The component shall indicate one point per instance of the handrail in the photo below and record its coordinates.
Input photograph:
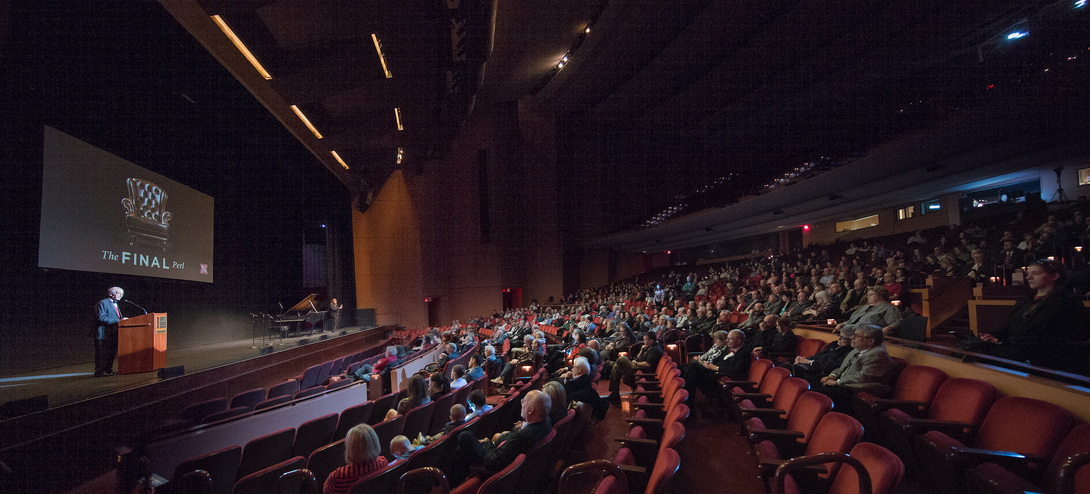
(398, 317)
(973, 357)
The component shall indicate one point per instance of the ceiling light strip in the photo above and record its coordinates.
(397, 115)
(241, 47)
(339, 160)
(299, 113)
(381, 57)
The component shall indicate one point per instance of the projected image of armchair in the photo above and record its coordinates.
(146, 217)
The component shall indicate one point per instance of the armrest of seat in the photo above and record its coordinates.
(618, 472)
(645, 423)
(768, 468)
(762, 397)
(637, 442)
(1015, 462)
(741, 384)
(956, 430)
(883, 404)
(774, 434)
(762, 412)
(656, 406)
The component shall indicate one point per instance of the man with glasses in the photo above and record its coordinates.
(865, 368)
(820, 364)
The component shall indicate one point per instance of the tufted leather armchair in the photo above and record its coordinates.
(146, 217)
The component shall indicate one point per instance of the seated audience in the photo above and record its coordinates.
(401, 448)
(727, 355)
(623, 368)
(878, 312)
(865, 368)
(825, 361)
(459, 374)
(784, 341)
(477, 404)
(1048, 329)
(501, 450)
(363, 455)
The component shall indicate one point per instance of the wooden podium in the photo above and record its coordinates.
(142, 343)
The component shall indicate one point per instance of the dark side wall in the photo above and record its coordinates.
(140, 87)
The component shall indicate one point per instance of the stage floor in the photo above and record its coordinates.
(74, 383)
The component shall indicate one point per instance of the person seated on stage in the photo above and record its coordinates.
(784, 341)
(401, 448)
(727, 355)
(497, 453)
(866, 368)
(475, 370)
(878, 312)
(363, 455)
(459, 375)
(477, 404)
(1048, 329)
(623, 368)
(825, 361)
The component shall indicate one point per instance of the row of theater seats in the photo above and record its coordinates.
(422, 472)
(317, 443)
(311, 383)
(954, 434)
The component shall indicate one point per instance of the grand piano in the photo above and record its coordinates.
(303, 316)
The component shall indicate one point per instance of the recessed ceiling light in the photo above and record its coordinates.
(306, 121)
(241, 47)
(339, 160)
(381, 57)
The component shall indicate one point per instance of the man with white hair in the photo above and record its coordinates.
(108, 315)
(497, 453)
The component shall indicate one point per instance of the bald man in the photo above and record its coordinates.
(498, 453)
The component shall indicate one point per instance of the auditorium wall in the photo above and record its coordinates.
(479, 220)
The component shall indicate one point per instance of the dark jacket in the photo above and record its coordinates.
(517, 442)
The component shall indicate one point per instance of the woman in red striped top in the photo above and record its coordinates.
(363, 454)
